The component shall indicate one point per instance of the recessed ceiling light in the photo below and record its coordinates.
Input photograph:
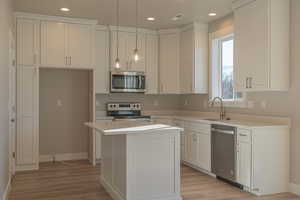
(212, 14)
(150, 18)
(177, 17)
(65, 9)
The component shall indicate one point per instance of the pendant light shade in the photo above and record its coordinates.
(117, 61)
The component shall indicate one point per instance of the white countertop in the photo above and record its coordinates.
(130, 127)
(236, 123)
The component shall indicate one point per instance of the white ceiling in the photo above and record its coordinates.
(105, 10)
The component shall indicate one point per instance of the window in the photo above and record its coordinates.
(222, 70)
(226, 68)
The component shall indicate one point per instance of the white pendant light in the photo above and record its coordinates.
(117, 61)
(136, 51)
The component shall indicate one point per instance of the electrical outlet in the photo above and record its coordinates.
(205, 104)
(59, 103)
(250, 104)
(97, 103)
(186, 102)
(156, 103)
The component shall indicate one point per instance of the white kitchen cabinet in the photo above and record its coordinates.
(244, 157)
(151, 64)
(262, 52)
(80, 45)
(28, 37)
(261, 153)
(204, 151)
(194, 59)
(27, 140)
(65, 45)
(169, 53)
(102, 61)
(53, 44)
(127, 44)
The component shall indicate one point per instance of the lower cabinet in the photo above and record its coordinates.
(195, 144)
(27, 140)
(262, 160)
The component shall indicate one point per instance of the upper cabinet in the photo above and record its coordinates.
(28, 34)
(127, 44)
(262, 51)
(102, 60)
(169, 61)
(152, 64)
(194, 59)
(66, 45)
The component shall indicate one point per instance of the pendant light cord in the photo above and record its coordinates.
(118, 28)
(136, 24)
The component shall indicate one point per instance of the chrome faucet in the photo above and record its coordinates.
(222, 109)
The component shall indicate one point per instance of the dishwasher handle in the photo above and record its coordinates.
(223, 131)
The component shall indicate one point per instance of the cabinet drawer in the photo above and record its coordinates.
(244, 135)
(197, 127)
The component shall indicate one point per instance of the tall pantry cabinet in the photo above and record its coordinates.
(50, 42)
(27, 136)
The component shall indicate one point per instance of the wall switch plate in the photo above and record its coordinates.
(263, 104)
(97, 103)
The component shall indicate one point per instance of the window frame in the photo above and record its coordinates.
(215, 43)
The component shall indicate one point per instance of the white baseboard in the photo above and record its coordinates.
(7, 189)
(294, 188)
(64, 157)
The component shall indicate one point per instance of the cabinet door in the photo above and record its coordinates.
(53, 44)
(131, 45)
(244, 164)
(80, 46)
(251, 46)
(204, 151)
(28, 36)
(124, 64)
(186, 61)
(169, 63)
(152, 64)
(27, 117)
(102, 62)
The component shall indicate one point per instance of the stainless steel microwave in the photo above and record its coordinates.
(134, 82)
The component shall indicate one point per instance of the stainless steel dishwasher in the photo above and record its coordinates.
(224, 152)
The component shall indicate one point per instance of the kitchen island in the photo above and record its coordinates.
(140, 160)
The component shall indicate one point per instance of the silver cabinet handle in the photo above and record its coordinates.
(243, 135)
(250, 79)
(70, 60)
(247, 82)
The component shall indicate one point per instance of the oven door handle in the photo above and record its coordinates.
(140, 82)
(223, 131)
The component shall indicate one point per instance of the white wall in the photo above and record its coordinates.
(5, 25)
(277, 103)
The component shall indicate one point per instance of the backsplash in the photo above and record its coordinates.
(150, 102)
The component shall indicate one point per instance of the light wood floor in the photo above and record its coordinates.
(79, 181)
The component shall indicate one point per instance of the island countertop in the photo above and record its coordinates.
(130, 127)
